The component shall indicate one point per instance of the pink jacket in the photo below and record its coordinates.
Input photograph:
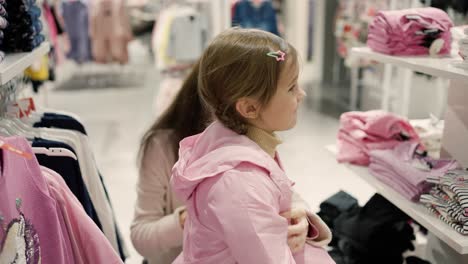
(234, 193)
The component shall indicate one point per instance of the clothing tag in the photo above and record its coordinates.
(436, 46)
(8, 147)
(430, 31)
(27, 106)
(413, 17)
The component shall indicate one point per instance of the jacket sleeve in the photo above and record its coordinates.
(319, 233)
(249, 218)
(152, 231)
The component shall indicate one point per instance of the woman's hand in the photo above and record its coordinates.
(182, 217)
(297, 229)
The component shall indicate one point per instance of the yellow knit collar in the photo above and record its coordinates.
(267, 141)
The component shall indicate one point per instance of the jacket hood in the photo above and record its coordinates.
(209, 154)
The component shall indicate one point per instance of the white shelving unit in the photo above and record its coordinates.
(14, 64)
(435, 66)
(416, 211)
(439, 66)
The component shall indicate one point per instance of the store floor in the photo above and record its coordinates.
(116, 118)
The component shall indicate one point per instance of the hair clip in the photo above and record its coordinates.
(278, 55)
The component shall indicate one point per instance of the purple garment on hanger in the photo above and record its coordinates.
(29, 212)
(75, 15)
(410, 31)
(406, 171)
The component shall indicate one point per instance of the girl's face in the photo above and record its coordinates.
(281, 112)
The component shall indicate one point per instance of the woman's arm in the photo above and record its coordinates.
(154, 229)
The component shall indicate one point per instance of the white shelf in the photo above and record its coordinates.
(15, 63)
(435, 66)
(416, 211)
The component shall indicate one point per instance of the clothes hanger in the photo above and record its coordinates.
(55, 152)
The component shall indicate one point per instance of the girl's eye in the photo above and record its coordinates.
(292, 88)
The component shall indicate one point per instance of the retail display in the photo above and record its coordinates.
(418, 31)
(73, 193)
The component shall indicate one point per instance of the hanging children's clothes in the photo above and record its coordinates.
(88, 243)
(80, 172)
(35, 231)
(245, 227)
(110, 31)
(247, 15)
(75, 16)
(177, 26)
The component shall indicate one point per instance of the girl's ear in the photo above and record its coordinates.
(248, 108)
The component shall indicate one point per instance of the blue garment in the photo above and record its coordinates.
(246, 15)
(52, 120)
(75, 15)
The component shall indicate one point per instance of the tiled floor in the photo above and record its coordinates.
(116, 118)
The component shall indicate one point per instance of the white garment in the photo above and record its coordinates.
(430, 131)
(188, 36)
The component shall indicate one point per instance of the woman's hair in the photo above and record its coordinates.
(236, 65)
(186, 116)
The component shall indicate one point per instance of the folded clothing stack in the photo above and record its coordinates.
(361, 132)
(23, 32)
(418, 31)
(406, 168)
(448, 199)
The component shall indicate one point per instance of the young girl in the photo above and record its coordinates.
(156, 231)
(230, 176)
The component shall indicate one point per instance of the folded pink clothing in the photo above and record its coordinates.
(391, 31)
(404, 162)
(394, 181)
(361, 132)
(356, 150)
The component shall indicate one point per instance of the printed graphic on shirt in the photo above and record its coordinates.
(20, 243)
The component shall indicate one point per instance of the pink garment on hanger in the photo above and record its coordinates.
(88, 242)
(51, 24)
(109, 31)
(396, 32)
(25, 199)
(361, 132)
